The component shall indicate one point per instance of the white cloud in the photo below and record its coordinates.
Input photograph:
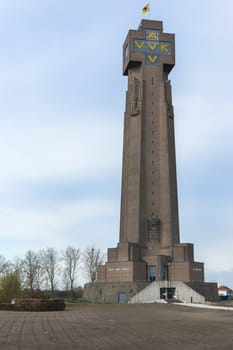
(219, 255)
(73, 223)
(204, 128)
(55, 149)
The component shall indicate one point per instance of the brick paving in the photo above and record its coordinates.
(86, 327)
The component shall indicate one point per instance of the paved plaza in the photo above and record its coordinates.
(124, 327)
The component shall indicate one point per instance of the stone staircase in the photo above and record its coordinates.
(158, 290)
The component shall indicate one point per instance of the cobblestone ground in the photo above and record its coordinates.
(121, 327)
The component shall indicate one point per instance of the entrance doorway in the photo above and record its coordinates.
(167, 293)
(121, 298)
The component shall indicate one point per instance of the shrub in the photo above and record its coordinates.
(10, 287)
(40, 304)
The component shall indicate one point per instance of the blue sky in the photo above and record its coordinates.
(62, 98)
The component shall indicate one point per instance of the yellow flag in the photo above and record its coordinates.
(146, 9)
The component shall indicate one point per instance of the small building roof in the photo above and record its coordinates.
(225, 288)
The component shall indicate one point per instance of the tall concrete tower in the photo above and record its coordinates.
(149, 247)
(149, 207)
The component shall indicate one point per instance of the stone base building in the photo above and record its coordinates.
(144, 292)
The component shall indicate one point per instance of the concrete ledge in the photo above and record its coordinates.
(206, 306)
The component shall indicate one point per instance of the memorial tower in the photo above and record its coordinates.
(149, 247)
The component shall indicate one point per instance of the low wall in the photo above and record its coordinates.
(109, 292)
(35, 305)
(207, 289)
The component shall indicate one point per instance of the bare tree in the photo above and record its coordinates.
(92, 257)
(65, 280)
(5, 265)
(49, 263)
(18, 269)
(31, 268)
(71, 258)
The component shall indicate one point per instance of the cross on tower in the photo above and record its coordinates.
(149, 45)
(152, 47)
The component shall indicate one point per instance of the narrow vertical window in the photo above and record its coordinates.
(126, 52)
(151, 273)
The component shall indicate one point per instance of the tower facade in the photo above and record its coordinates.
(149, 247)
